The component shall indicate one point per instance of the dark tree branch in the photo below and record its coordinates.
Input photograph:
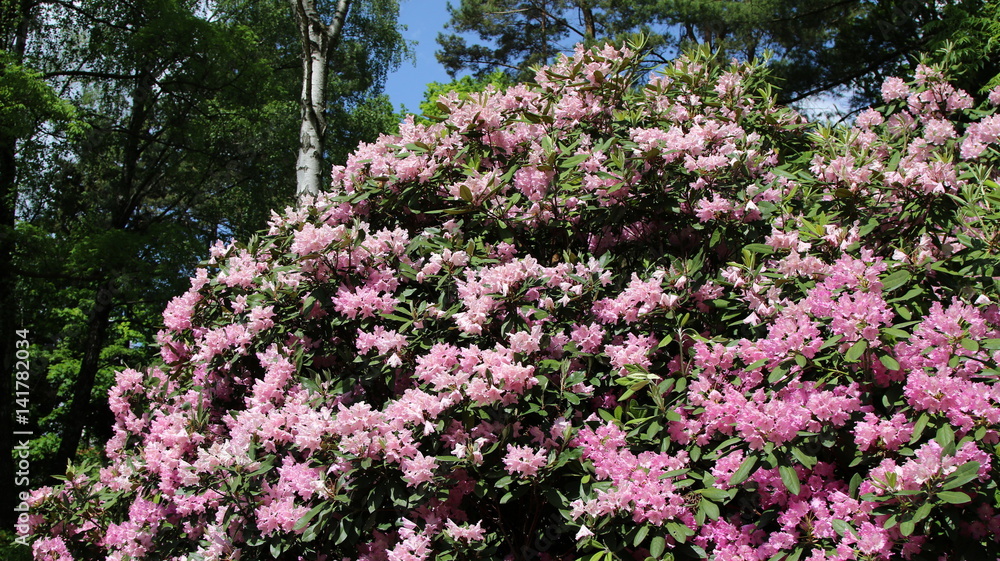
(870, 67)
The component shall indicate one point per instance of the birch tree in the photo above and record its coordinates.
(317, 39)
(348, 46)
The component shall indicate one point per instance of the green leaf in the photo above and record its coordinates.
(945, 437)
(896, 333)
(744, 471)
(777, 374)
(304, 521)
(954, 497)
(840, 526)
(964, 474)
(264, 467)
(760, 248)
(856, 480)
(679, 532)
(831, 342)
(895, 280)
(574, 161)
(713, 493)
(806, 460)
(465, 193)
(889, 362)
(856, 350)
(710, 509)
(657, 546)
(640, 535)
(919, 426)
(907, 527)
(922, 512)
(790, 478)
(969, 344)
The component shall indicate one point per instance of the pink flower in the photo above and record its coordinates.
(709, 210)
(873, 540)
(279, 514)
(995, 96)
(385, 341)
(526, 342)
(888, 434)
(178, 314)
(588, 337)
(524, 461)
(869, 118)
(894, 88)
(51, 549)
(467, 533)
(937, 131)
(633, 351)
(418, 469)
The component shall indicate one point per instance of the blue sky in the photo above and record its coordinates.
(424, 20)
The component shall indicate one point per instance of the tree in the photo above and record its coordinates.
(355, 48)
(587, 318)
(517, 35)
(184, 120)
(815, 46)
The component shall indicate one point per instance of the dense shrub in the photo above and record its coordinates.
(586, 319)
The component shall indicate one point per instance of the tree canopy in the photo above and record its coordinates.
(817, 46)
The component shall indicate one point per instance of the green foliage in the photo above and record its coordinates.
(364, 121)
(10, 550)
(429, 108)
(371, 47)
(968, 40)
(27, 100)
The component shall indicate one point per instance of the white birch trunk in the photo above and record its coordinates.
(318, 40)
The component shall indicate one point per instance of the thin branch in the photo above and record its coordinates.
(858, 74)
(88, 74)
(74, 8)
(798, 16)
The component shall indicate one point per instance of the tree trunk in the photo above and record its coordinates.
(97, 329)
(125, 203)
(318, 40)
(590, 29)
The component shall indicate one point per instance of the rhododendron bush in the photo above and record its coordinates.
(605, 316)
